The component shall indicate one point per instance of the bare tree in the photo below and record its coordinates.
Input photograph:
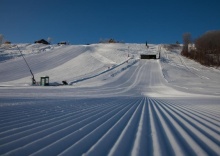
(186, 41)
(208, 48)
(1, 39)
(49, 39)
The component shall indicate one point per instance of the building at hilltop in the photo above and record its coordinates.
(42, 41)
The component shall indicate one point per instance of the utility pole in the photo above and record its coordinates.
(33, 80)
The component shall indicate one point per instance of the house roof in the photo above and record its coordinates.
(43, 41)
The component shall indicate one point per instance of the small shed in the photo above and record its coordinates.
(44, 81)
(62, 43)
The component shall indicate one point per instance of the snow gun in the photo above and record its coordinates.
(33, 79)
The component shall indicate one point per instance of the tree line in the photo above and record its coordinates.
(205, 49)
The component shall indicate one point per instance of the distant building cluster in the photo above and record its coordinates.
(43, 41)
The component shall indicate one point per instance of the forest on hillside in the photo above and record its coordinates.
(205, 49)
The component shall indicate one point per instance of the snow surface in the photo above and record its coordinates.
(115, 103)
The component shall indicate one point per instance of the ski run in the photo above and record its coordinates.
(114, 104)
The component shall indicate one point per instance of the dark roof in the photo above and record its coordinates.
(43, 41)
(7, 42)
(63, 42)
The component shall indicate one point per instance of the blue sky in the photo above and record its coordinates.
(88, 21)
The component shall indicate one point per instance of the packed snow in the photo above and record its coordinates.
(114, 104)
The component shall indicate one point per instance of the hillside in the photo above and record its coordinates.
(114, 103)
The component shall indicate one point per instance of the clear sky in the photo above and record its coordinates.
(88, 21)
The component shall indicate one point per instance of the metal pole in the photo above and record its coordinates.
(33, 80)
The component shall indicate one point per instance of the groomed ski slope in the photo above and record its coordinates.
(116, 104)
